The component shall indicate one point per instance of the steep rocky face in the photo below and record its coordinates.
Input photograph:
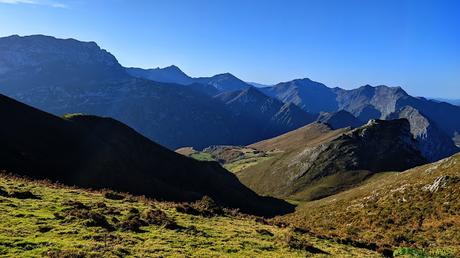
(263, 117)
(335, 164)
(369, 102)
(433, 143)
(96, 152)
(339, 119)
(42, 61)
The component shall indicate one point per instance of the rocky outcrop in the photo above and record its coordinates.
(439, 183)
(432, 142)
(378, 146)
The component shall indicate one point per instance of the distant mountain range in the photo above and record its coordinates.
(69, 76)
(450, 101)
(176, 110)
(365, 102)
(96, 152)
(263, 116)
(172, 74)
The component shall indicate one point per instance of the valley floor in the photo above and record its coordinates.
(38, 219)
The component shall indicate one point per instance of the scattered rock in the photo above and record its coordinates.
(439, 182)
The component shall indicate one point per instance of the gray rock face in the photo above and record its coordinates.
(432, 142)
(38, 61)
(369, 102)
(439, 183)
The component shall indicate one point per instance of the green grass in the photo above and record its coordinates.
(71, 115)
(245, 162)
(65, 221)
(233, 158)
(203, 156)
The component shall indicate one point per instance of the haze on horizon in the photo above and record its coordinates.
(412, 44)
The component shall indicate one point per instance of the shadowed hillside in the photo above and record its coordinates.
(98, 152)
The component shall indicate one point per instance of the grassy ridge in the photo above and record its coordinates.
(42, 219)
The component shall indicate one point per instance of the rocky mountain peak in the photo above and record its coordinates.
(433, 143)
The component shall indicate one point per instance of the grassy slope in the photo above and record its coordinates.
(393, 210)
(289, 146)
(52, 225)
(309, 135)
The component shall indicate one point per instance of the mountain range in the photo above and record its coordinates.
(69, 76)
(63, 76)
(333, 166)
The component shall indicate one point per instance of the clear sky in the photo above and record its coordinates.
(345, 43)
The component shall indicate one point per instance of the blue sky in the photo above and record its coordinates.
(413, 44)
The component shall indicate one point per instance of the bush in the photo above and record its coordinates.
(159, 218)
(24, 195)
(113, 196)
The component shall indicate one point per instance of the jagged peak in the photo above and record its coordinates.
(396, 89)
